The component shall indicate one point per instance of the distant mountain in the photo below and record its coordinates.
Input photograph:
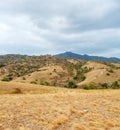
(71, 55)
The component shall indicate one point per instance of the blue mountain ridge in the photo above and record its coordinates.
(71, 55)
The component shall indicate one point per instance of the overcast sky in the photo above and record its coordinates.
(37, 27)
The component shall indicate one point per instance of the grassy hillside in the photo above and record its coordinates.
(52, 71)
(30, 98)
(58, 108)
(25, 88)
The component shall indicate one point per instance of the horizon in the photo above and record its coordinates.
(57, 54)
(34, 27)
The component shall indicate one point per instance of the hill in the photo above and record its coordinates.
(30, 98)
(87, 57)
(54, 71)
(49, 108)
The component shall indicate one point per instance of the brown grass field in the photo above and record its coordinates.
(50, 108)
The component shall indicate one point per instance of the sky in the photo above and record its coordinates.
(36, 27)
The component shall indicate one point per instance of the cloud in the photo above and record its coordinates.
(41, 27)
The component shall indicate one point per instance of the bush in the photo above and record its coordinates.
(79, 77)
(104, 85)
(110, 70)
(91, 86)
(82, 77)
(115, 85)
(71, 84)
(53, 83)
(2, 65)
(75, 78)
(7, 79)
(44, 83)
(16, 91)
(107, 74)
(33, 82)
(24, 78)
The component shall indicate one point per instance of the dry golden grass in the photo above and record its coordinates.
(99, 73)
(26, 88)
(56, 72)
(59, 109)
(49, 74)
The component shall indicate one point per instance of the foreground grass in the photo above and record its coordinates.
(60, 109)
(26, 88)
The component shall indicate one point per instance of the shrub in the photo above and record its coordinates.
(53, 83)
(33, 82)
(91, 86)
(82, 77)
(107, 74)
(75, 78)
(115, 85)
(7, 79)
(86, 69)
(16, 91)
(104, 85)
(79, 77)
(2, 65)
(110, 70)
(71, 84)
(24, 78)
(44, 83)
(54, 70)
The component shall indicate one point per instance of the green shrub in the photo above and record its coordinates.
(79, 77)
(2, 65)
(82, 77)
(44, 83)
(86, 69)
(110, 70)
(75, 78)
(53, 83)
(33, 82)
(91, 86)
(71, 84)
(7, 79)
(104, 85)
(115, 85)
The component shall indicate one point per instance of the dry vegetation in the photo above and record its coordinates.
(32, 100)
(9, 87)
(53, 71)
(58, 108)
(37, 69)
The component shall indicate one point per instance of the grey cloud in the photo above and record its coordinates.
(40, 27)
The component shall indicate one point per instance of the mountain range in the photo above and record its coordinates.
(71, 55)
